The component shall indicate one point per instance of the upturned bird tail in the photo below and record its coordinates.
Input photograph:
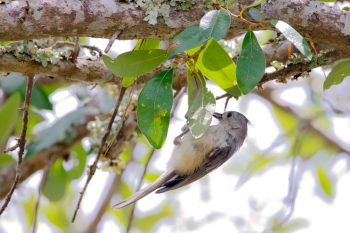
(147, 190)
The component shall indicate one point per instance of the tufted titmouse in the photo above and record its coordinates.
(194, 158)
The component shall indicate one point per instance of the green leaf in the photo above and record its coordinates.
(144, 44)
(6, 160)
(8, 117)
(201, 110)
(290, 226)
(250, 64)
(154, 106)
(78, 158)
(215, 24)
(293, 36)
(255, 14)
(340, 70)
(39, 98)
(135, 63)
(216, 65)
(189, 38)
(325, 181)
(16, 82)
(60, 131)
(56, 183)
(56, 214)
(254, 4)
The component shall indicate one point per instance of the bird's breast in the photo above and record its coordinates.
(191, 153)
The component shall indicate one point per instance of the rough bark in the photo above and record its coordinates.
(325, 23)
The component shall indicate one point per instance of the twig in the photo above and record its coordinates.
(132, 211)
(93, 167)
(226, 102)
(111, 41)
(177, 98)
(76, 49)
(40, 190)
(21, 142)
(68, 43)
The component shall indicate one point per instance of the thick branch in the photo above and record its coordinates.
(322, 22)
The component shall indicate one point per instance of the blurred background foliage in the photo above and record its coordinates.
(296, 126)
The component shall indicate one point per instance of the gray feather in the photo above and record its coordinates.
(213, 160)
(140, 194)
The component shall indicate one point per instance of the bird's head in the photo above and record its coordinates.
(234, 120)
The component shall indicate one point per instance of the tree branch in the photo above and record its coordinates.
(21, 143)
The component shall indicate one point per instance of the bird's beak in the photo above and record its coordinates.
(217, 115)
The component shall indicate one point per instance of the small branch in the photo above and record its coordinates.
(93, 167)
(58, 44)
(132, 211)
(111, 41)
(177, 98)
(21, 143)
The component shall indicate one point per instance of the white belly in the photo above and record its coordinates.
(190, 154)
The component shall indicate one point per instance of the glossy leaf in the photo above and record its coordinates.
(340, 70)
(8, 117)
(293, 36)
(254, 4)
(216, 65)
(135, 63)
(142, 44)
(250, 64)
(189, 38)
(325, 181)
(201, 110)
(56, 183)
(153, 108)
(215, 24)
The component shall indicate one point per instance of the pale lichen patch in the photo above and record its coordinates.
(345, 18)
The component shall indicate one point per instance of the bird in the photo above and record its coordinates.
(193, 158)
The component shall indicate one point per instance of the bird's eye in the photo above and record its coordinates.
(229, 114)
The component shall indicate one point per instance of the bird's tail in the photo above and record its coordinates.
(143, 192)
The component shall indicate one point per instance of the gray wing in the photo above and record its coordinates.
(213, 160)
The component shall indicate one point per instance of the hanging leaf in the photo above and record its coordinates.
(154, 106)
(340, 70)
(215, 24)
(250, 64)
(254, 4)
(56, 183)
(135, 63)
(293, 36)
(8, 117)
(189, 38)
(142, 44)
(325, 181)
(216, 65)
(201, 110)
